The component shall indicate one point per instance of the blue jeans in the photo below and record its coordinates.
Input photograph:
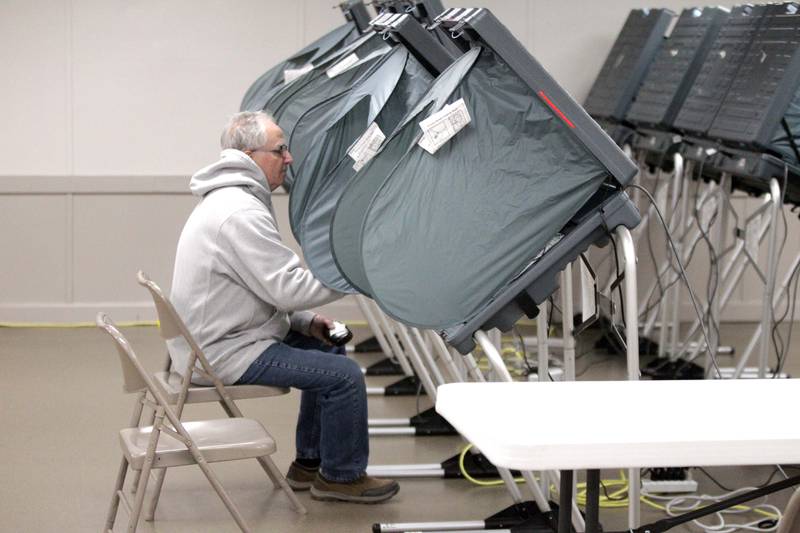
(332, 425)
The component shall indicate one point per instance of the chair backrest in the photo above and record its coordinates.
(135, 377)
(171, 326)
(170, 323)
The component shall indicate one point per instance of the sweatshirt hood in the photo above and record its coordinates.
(234, 168)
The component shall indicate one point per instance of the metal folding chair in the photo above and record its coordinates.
(179, 390)
(173, 443)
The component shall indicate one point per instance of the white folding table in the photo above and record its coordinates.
(591, 425)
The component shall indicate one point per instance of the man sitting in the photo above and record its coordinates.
(244, 295)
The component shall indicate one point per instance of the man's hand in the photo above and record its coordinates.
(319, 328)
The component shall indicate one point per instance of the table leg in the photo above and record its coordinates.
(592, 501)
(565, 502)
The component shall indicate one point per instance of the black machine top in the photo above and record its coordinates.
(766, 83)
(423, 10)
(627, 63)
(480, 25)
(426, 48)
(718, 71)
(675, 67)
(356, 12)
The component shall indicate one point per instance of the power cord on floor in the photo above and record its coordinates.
(673, 505)
(677, 505)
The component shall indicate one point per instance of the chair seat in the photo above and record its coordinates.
(170, 383)
(225, 439)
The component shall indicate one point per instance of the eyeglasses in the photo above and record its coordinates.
(281, 150)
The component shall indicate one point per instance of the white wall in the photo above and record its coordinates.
(109, 105)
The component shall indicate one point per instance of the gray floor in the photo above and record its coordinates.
(62, 405)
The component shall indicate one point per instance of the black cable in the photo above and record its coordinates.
(727, 489)
(524, 349)
(652, 305)
(616, 264)
(713, 273)
(650, 251)
(793, 278)
(713, 356)
(711, 288)
(620, 337)
(775, 333)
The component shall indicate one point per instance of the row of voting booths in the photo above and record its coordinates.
(706, 102)
(445, 179)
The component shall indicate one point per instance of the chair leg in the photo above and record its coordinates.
(111, 517)
(141, 489)
(149, 515)
(271, 470)
(138, 420)
(279, 481)
(212, 478)
(144, 477)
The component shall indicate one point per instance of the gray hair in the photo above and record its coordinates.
(246, 131)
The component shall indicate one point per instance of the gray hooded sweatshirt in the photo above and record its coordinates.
(237, 287)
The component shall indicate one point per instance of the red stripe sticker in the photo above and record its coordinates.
(556, 109)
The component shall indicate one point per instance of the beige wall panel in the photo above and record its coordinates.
(34, 87)
(115, 235)
(155, 81)
(35, 242)
(572, 39)
(318, 18)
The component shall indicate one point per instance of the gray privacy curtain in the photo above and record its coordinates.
(313, 53)
(347, 223)
(311, 135)
(288, 105)
(442, 233)
(383, 98)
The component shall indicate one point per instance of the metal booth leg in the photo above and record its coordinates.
(772, 268)
(628, 258)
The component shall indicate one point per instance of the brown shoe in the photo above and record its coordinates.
(365, 489)
(301, 477)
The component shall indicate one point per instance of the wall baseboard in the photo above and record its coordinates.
(345, 310)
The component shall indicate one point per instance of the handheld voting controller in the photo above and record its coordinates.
(339, 334)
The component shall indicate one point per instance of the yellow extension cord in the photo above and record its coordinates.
(613, 500)
(72, 325)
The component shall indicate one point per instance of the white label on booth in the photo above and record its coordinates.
(440, 127)
(366, 146)
(291, 74)
(342, 65)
